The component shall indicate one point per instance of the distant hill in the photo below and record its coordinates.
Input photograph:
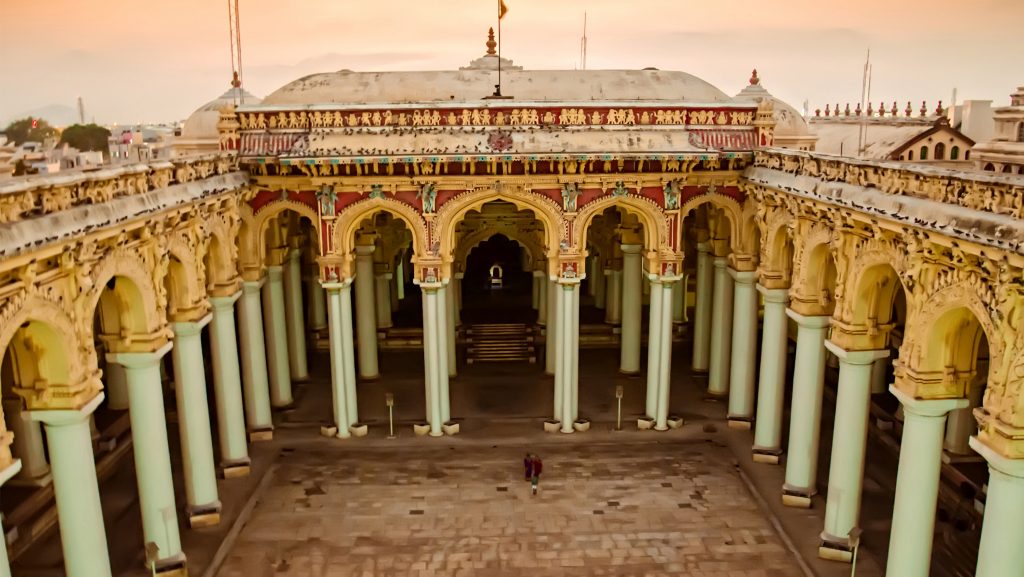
(56, 114)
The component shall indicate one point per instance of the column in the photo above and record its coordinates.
(542, 296)
(849, 444)
(961, 423)
(721, 331)
(597, 277)
(294, 318)
(535, 289)
(567, 365)
(679, 301)
(27, 444)
(255, 383)
(613, 297)
(400, 280)
(1001, 553)
(442, 352)
(632, 285)
(458, 297)
(348, 350)
(227, 388)
(653, 349)
(917, 484)
(878, 374)
(743, 365)
(152, 457)
(366, 322)
(771, 392)
(12, 469)
(551, 336)
(663, 320)
(338, 369)
(82, 535)
(449, 294)
(276, 338)
(805, 410)
(317, 303)
(115, 387)
(382, 300)
(702, 312)
(431, 350)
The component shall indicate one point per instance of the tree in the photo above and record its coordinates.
(86, 137)
(29, 129)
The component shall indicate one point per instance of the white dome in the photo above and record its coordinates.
(203, 122)
(788, 121)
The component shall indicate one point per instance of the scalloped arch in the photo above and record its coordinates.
(25, 308)
(353, 215)
(130, 265)
(729, 206)
(544, 209)
(262, 218)
(923, 317)
(653, 218)
(471, 241)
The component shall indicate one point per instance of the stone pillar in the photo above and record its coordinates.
(743, 364)
(335, 332)
(255, 384)
(317, 303)
(295, 315)
(632, 285)
(82, 535)
(457, 284)
(393, 293)
(27, 444)
(567, 364)
(115, 387)
(664, 340)
(152, 456)
(654, 336)
(442, 351)
(613, 297)
(431, 356)
(382, 300)
(535, 290)
(227, 388)
(275, 328)
(917, 484)
(551, 342)
(450, 344)
(679, 301)
(348, 352)
(599, 280)
(1001, 553)
(771, 391)
(539, 279)
(850, 437)
(366, 322)
(400, 272)
(202, 501)
(878, 373)
(12, 469)
(805, 410)
(721, 331)
(702, 312)
(961, 423)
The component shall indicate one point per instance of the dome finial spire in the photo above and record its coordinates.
(235, 80)
(754, 80)
(491, 44)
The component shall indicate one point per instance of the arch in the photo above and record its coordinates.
(730, 207)
(940, 151)
(186, 276)
(650, 215)
(875, 287)
(134, 293)
(954, 153)
(910, 155)
(1020, 132)
(924, 153)
(989, 167)
(776, 254)
(467, 243)
(261, 221)
(352, 217)
(454, 210)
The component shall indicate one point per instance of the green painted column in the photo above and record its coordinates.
(202, 501)
(276, 336)
(348, 350)
(458, 298)
(613, 298)
(5, 475)
(702, 309)
(567, 365)
(961, 424)
(382, 300)
(294, 317)
(632, 288)
(653, 349)
(679, 301)
(721, 331)
(152, 456)
(449, 300)
(115, 386)
(82, 535)
(542, 297)
(666, 288)
(878, 374)
(1001, 553)
(849, 444)
(771, 391)
(317, 302)
(366, 316)
(227, 387)
(400, 280)
(442, 351)
(551, 336)
(334, 332)
(431, 356)
(917, 484)
(255, 384)
(27, 444)
(743, 362)
(805, 410)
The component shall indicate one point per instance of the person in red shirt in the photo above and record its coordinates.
(537, 467)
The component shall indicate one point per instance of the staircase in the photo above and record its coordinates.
(499, 343)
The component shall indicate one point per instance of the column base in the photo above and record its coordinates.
(261, 435)
(235, 469)
(369, 378)
(699, 372)
(740, 423)
(204, 515)
(766, 455)
(630, 374)
(715, 397)
(552, 426)
(797, 497)
(284, 408)
(176, 566)
(41, 481)
(304, 380)
(835, 549)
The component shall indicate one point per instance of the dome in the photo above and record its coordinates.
(789, 123)
(473, 84)
(203, 122)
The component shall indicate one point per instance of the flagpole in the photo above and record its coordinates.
(498, 87)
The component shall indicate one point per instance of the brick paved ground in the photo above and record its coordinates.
(640, 509)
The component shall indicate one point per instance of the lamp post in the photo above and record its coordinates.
(618, 399)
(389, 400)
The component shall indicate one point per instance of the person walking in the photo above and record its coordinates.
(536, 467)
(528, 465)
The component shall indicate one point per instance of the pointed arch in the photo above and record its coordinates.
(352, 217)
(650, 214)
(454, 210)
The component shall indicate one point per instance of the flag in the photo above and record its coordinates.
(502, 9)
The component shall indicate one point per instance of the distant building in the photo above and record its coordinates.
(199, 134)
(1004, 152)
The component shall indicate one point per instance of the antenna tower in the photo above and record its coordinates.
(865, 97)
(235, 39)
(583, 44)
(81, 111)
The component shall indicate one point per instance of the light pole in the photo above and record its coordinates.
(618, 399)
(389, 400)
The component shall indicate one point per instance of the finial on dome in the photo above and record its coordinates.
(491, 44)
(235, 81)
(754, 80)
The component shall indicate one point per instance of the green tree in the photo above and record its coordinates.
(85, 136)
(29, 129)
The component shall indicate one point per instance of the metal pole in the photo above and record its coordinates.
(389, 400)
(618, 398)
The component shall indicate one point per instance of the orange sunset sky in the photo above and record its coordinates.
(157, 60)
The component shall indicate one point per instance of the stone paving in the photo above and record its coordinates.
(645, 509)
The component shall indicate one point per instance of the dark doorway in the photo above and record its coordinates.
(495, 288)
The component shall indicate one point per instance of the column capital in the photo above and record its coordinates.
(364, 250)
(704, 247)
(275, 272)
(855, 357)
(774, 295)
(460, 276)
(536, 273)
(809, 322)
(742, 276)
(631, 248)
(191, 329)
(139, 360)
(225, 302)
(64, 417)
(720, 261)
(294, 254)
(568, 283)
(253, 286)
(1009, 467)
(336, 285)
(926, 407)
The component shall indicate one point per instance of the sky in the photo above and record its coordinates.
(157, 60)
